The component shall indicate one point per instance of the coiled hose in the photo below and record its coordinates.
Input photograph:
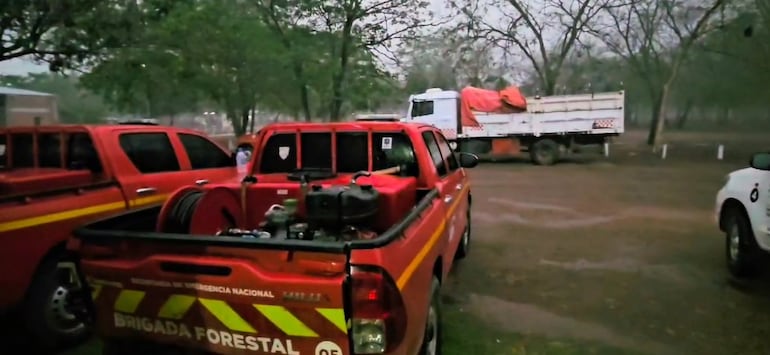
(179, 218)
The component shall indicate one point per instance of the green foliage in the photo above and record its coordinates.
(243, 55)
(69, 33)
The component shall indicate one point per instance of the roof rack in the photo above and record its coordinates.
(386, 117)
(139, 121)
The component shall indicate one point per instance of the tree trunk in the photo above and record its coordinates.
(656, 102)
(656, 131)
(549, 87)
(339, 79)
(682, 119)
(253, 119)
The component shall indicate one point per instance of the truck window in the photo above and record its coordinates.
(280, 154)
(204, 154)
(150, 152)
(22, 150)
(435, 152)
(3, 149)
(446, 151)
(352, 152)
(49, 150)
(81, 153)
(422, 108)
(394, 149)
(316, 150)
(244, 152)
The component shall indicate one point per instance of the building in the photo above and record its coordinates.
(19, 107)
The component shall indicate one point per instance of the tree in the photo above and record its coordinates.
(67, 33)
(353, 29)
(526, 29)
(655, 37)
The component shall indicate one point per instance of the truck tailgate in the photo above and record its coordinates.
(218, 298)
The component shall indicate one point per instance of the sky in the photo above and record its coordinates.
(20, 67)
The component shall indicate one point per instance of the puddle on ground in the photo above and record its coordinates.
(530, 319)
(551, 223)
(669, 272)
(573, 218)
(530, 205)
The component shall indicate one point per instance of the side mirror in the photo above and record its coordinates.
(760, 161)
(468, 160)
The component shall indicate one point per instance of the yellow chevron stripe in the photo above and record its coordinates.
(336, 316)
(176, 306)
(227, 315)
(95, 291)
(128, 300)
(284, 320)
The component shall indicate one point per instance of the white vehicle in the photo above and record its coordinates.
(743, 214)
(549, 127)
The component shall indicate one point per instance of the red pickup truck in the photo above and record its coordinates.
(55, 178)
(336, 243)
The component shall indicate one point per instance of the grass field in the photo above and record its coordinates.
(597, 255)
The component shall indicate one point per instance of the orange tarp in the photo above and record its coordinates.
(508, 100)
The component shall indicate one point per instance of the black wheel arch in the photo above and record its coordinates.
(731, 204)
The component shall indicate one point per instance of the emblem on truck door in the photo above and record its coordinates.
(754, 196)
(283, 152)
(303, 297)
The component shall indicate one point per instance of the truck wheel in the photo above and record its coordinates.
(544, 152)
(741, 248)
(465, 242)
(431, 342)
(49, 311)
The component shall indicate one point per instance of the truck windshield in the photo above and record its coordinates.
(422, 108)
(318, 156)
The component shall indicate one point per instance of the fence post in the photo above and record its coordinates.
(721, 152)
(664, 152)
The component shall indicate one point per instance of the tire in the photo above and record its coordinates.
(465, 241)
(544, 152)
(431, 342)
(741, 249)
(49, 312)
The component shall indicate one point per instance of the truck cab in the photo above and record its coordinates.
(743, 214)
(438, 107)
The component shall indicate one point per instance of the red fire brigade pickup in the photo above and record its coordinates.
(336, 243)
(55, 178)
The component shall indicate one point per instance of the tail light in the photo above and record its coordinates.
(379, 316)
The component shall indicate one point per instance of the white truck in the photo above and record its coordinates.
(743, 214)
(547, 127)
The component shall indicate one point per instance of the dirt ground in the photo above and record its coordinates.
(607, 255)
(596, 255)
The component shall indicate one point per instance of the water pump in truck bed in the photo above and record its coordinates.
(338, 212)
(343, 211)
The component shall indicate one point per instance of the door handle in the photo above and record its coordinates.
(146, 190)
(448, 199)
(459, 187)
(201, 182)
